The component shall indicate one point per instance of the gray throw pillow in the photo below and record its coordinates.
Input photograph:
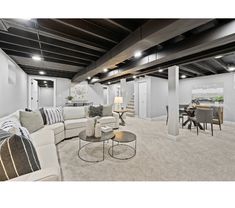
(31, 120)
(107, 110)
(17, 156)
(95, 111)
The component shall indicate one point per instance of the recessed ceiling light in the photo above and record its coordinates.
(36, 58)
(137, 54)
(45, 81)
(183, 76)
(109, 83)
(219, 56)
(105, 70)
(42, 72)
(134, 77)
(160, 70)
(89, 78)
(231, 68)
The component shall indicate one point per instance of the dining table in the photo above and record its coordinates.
(190, 111)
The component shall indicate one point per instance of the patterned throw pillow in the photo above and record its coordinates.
(17, 156)
(53, 115)
(14, 127)
(95, 111)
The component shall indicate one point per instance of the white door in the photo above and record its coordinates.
(106, 95)
(34, 94)
(142, 100)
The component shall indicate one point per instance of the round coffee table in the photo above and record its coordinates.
(91, 140)
(123, 138)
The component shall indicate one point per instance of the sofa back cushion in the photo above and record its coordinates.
(31, 120)
(17, 156)
(107, 110)
(41, 110)
(53, 115)
(74, 113)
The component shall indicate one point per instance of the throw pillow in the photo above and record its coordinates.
(14, 128)
(17, 156)
(43, 116)
(53, 115)
(95, 111)
(107, 110)
(31, 120)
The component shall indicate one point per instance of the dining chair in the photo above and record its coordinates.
(205, 116)
(217, 113)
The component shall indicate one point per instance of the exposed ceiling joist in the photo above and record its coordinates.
(186, 68)
(91, 31)
(62, 37)
(201, 46)
(205, 67)
(119, 25)
(150, 34)
(221, 63)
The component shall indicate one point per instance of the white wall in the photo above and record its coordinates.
(46, 97)
(62, 90)
(96, 94)
(13, 86)
(228, 79)
(157, 91)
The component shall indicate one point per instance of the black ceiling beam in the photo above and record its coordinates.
(205, 67)
(48, 41)
(46, 57)
(85, 27)
(152, 33)
(6, 44)
(220, 63)
(55, 35)
(216, 41)
(119, 25)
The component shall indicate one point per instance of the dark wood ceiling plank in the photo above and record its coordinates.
(86, 27)
(193, 71)
(119, 25)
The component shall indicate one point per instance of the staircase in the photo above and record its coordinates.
(130, 108)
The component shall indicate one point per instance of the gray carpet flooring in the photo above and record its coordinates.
(190, 158)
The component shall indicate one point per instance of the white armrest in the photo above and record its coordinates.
(116, 116)
(47, 174)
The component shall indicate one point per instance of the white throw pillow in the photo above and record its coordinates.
(53, 115)
(74, 113)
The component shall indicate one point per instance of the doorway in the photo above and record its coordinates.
(142, 99)
(42, 92)
(106, 95)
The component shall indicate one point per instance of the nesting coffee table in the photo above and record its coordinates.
(91, 140)
(123, 138)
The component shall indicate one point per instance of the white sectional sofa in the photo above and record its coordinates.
(46, 139)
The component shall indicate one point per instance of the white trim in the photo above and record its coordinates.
(30, 78)
(172, 137)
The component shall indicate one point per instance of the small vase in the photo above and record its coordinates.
(97, 130)
(90, 129)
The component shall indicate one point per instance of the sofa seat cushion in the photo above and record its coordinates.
(47, 155)
(107, 119)
(57, 127)
(75, 123)
(42, 137)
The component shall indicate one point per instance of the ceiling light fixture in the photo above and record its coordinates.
(45, 81)
(160, 70)
(219, 56)
(183, 76)
(89, 78)
(134, 76)
(137, 54)
(42, 72)
(109, 83)
(105, 70)
(36, 58)
(231, 68)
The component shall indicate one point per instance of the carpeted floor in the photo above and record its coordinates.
(190, 158)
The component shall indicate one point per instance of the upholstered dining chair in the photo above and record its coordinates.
(217, 113)
(205, 116)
